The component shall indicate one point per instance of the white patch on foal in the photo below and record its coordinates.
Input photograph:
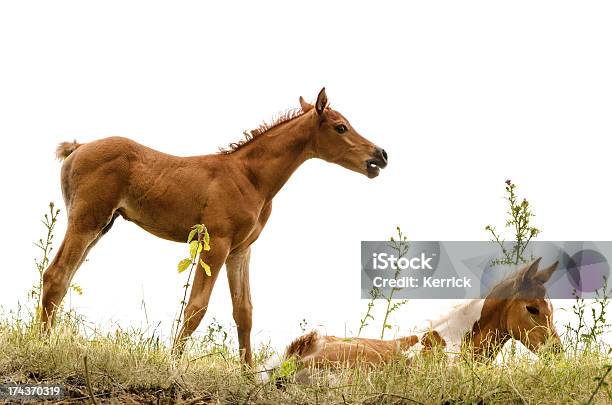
(452, 327)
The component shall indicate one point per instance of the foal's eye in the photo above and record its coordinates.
(533, 310)
(341, 128)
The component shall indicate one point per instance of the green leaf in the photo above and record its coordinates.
(77, 288)
(195, 248)
(206, 240)
(206, 268)
(286, 368)
(192, 234)
(183, 265)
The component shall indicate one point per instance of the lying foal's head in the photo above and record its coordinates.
(518, 309)
(336, 141)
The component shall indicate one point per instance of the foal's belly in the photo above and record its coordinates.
(162, 229)
(167, 218)
(163, 203)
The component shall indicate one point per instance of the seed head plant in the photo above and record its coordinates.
(400, 244)
(518, 222)
(45, 247)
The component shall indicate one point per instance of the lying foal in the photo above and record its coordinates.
(516, 308)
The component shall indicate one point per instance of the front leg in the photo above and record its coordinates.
(238, 277)
(200, 291)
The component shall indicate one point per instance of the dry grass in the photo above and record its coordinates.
(132, 367)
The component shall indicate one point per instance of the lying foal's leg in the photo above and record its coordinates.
(200, 291)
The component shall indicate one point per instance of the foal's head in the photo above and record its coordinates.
(336, 141)
(524, 311)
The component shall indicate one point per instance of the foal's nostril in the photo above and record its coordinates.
(557, 348)
(381, 154)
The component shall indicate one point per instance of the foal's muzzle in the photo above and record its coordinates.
(377, 162)
(552, 346)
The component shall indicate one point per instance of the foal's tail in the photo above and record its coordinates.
(64, 149)
(298, 349)
(303, 345)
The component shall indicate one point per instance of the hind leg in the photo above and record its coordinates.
(81, 235)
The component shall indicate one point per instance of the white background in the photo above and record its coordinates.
(462, 95)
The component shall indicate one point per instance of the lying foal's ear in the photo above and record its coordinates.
(544, 275)
(528, 272)
(321, 101)
(305, 106)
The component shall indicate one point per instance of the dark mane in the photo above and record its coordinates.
(510, 287)
(280, 118)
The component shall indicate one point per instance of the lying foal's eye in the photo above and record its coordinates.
(533, 310)
(341, 128)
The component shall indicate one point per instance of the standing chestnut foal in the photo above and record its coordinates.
(230, 192)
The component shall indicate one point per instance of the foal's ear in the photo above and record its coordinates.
(305, 105)
(544, 275)
(528, 272)
(321, 101)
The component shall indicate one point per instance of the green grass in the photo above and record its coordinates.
(131, 366)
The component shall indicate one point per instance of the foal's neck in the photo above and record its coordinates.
(458, 323)
(272, 157)
(478, 322)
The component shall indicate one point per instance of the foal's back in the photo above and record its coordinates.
(318, 350)
(117, 176)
